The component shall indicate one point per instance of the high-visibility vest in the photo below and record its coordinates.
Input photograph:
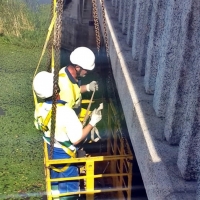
(70, 91)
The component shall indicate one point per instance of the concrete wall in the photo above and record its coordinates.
(76, 31)
(154, 48)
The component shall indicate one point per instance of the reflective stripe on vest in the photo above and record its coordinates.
(65, 146)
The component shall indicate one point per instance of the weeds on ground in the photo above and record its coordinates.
(22, 175)
(23, 25)
(22, 35)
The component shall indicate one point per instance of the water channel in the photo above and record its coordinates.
(107, 90)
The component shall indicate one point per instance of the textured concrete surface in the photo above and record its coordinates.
(116, 6)
(157, 159)
(138, 34)
(125, 16)
(157, 25)
(121, 8)
(76, 30)
(169, 51)
(189, 154)
(182, 84)
(131, 22)
(198, 190)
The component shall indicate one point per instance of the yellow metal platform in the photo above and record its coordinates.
(109, 173)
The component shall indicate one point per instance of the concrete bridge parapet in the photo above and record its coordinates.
(154, 52)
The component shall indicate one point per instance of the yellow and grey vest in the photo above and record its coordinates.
(70, 90)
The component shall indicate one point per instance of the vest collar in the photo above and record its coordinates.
(71, 78)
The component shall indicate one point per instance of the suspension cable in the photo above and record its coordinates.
(96, 23)
(55, 70)
(105, 27)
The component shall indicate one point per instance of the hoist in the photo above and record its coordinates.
(116, 168)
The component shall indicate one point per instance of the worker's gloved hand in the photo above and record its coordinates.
(95, 117)
(93, 86)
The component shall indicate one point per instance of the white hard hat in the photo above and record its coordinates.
(83, 57)
(43, 84)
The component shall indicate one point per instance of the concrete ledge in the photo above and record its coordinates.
(156, 159)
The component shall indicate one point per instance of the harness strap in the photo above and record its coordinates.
(71, 153)
(93, 131)
(88, 108)
(68, 151)
(44, 126)
(43, 52)
(65, 145)
(59, 169)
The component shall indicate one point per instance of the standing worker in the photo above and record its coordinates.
(69, 132)
(82, 60)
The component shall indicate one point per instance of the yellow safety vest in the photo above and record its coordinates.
(69, 91)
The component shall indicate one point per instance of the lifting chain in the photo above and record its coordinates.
(110, 78)
(104, 27)
(96, 23)
(57, 46)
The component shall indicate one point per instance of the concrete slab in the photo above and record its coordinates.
(156, 159)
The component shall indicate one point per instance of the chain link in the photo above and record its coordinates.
(96, 23)
(57, 46)
(104, 27)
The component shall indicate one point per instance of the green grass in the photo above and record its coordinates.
(22, 26)
(21, 144)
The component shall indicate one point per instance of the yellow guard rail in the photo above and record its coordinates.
(118, 171)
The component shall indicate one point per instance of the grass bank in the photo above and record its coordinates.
(22, 35)
(21, 154)
(23, 25)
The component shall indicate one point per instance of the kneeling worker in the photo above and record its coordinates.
(68, 131)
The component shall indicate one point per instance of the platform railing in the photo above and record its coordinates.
(116, 176)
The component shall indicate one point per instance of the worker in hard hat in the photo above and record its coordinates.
(69, 132)
(82, 60)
